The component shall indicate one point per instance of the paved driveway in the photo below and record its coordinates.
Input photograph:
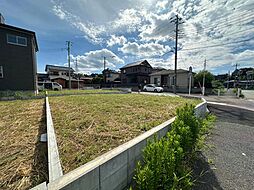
(231, 152)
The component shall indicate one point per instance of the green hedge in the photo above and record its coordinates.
(166, 162)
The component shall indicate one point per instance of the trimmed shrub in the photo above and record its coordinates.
(166, 161)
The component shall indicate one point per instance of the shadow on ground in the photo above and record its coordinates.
(40, 157)
(204, 175)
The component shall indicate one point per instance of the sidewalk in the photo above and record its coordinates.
(229, 153)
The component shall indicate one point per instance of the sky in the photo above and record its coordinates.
(124, 31)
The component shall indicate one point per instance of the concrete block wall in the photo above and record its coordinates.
(113, 170)
(54, 165)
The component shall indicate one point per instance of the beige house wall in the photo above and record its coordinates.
(182, 80)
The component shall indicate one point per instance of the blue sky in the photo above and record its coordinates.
(220, 31)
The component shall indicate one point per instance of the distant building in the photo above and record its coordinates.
(241, 74)
(136, 73)
(221, 78)
(18, 65)
(60, 74)
(250, 74)
(111, 76)
(165, 78)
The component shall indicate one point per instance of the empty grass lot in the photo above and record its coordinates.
(88, 126)
(23, 161)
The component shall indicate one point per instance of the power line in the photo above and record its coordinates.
(247, 19)
(223, 36)
(216, 45)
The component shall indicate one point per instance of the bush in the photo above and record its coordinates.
(16, 94)
(166, 161)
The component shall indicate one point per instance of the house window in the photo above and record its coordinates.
(124, 71)
(155, 80)
(16, 40)
(1, 72)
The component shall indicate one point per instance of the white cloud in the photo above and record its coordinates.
(144, 50)
(93, 61)
(116, 40)
(207, 23)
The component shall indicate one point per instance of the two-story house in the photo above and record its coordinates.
(136, 73)
(60, 74)
(18, 65)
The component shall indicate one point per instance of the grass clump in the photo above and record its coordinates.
(167, 162)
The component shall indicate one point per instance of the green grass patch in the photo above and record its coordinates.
(88, 126)
(23, 161)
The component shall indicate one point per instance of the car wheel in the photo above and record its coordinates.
(55, 89)
(155, 90)
(145, 90)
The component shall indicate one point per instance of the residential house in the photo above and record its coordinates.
(43, 77)
(165, 78)
(111, 76)
(60, 74)
(136, 73)
(221, 77)
(241, 74)
(18, 65)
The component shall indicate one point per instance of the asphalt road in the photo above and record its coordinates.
(231, 151)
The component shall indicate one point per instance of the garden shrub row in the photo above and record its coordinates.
(166, 162)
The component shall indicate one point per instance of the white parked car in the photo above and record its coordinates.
(152, 88)
(49, 86)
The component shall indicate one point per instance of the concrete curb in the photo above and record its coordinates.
(229, 105)
(54, 165)
(42, 186)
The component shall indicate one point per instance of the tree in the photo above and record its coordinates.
(98, 79)
(198, 79)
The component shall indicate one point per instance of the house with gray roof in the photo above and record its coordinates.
(60, 74)
(136, 73)
(165, 78)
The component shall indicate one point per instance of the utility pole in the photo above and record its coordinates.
(76, 68)
(104, 65)
(228, 80)
(177, 21)
(104, 72)
(203, 91)
(236, 65)
(69, 43)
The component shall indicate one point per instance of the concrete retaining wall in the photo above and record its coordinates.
(114, 170)
(54, 165)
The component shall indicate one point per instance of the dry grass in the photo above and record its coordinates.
(75, 91)
(23, 157)
(88, 126)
